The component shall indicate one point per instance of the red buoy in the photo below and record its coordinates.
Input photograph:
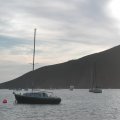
(4, 101)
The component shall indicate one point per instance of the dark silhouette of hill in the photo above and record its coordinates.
(75, 72)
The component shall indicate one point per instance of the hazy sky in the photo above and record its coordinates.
(66, 29)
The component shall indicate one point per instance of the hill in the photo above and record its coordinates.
(74, 72)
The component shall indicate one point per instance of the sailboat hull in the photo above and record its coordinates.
(95, 90)
(21, 99)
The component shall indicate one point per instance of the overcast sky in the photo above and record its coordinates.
(66, 30)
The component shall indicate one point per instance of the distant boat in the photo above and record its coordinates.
(36, 97)
(71, 87)
(95, 89)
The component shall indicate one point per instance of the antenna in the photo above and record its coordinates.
(34, 49)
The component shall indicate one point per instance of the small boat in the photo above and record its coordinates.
(41, 97)
(71, 87)
(95, 90)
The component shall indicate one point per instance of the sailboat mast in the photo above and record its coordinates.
(94, 77)
(34, 49)
(93, 73)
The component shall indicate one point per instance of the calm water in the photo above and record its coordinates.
(75, 105)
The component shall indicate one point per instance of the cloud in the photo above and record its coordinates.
(66, 29)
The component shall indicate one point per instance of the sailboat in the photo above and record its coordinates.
(41, 97)
(95, 89)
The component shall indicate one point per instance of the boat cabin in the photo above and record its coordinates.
(37, 94)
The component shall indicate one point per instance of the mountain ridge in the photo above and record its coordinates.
(77, 72)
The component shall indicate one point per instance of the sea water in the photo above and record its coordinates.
(78, 104)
